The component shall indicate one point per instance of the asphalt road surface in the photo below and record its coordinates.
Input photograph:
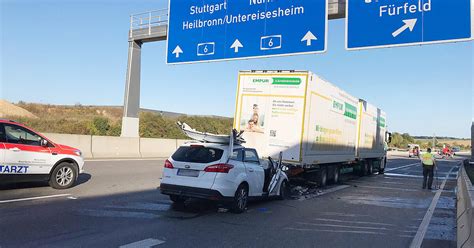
(116, 203)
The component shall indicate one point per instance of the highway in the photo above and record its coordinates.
(117, 204)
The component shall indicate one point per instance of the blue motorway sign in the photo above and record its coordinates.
(386, 23)
(209, 30)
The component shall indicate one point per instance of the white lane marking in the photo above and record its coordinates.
(405, 166)
(334, 231)
(355, 222)
(144, 243)
(378, 182)
(344, 214)
(420, 234)
(343, 226)
(124, 159)
(416, 176)
(117, 214)
(389, 188)
(34, 198)
(144, 206)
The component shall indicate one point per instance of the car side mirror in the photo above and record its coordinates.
(44, 143)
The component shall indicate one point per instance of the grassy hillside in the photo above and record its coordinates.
(463, 143)
(402, 140)
(97, 120)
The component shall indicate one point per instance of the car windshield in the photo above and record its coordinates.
(197, 154)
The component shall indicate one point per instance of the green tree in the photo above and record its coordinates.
(99, 126)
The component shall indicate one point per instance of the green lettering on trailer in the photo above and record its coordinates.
(351, 111)
(256, 80)
(337, 105)
(286, 81)
(381, 122)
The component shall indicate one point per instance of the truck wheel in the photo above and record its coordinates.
(383, 163)
(322, 177)
(336, 175)
(284, 191)
(370, 168)
(63, 176)
(239, 204)
(177, 199)
(363, 168)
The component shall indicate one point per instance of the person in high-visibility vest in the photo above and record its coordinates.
(429, 163)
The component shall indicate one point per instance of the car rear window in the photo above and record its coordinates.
(197, 154)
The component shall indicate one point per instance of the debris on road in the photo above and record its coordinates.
(304, 192)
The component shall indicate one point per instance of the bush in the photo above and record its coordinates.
(402, 140)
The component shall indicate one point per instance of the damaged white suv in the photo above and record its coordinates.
(221, 172)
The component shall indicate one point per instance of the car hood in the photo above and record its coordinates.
(65, 147)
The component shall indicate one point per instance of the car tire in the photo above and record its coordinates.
(241, 197)
(177, 199)
(63, 176)
(284, 191)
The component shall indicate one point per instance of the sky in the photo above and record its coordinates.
(71, 51)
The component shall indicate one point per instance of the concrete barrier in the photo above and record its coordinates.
(81, 142)
(115, 147)
(157, 148)
(465, 210)
(99, 147)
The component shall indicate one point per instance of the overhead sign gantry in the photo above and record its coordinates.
(201, 31)
(389, 23)
(152, 26)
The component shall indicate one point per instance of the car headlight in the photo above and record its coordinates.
(78, 153)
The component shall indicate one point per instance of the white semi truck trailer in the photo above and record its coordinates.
(321, 130)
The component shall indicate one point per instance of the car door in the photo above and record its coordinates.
(24, 153)
(255, 172)
(2, 147)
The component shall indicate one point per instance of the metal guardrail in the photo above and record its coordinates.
(465, 209)
(147, 21)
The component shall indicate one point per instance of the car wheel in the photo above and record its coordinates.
(177, 199)
(64, 176)
(284, 191)
(240, 199)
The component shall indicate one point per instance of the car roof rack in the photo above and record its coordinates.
(210, 137)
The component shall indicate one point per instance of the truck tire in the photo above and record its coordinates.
(383, 163)
(239, 204)
(63, 176)
(336, 175)
(363, 168)
(370, 168)
(322, 176)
